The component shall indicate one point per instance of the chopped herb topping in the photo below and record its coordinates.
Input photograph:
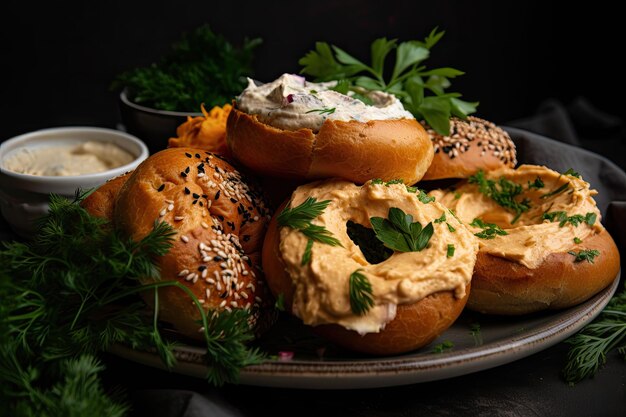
(537, 184)
(476, 334)
(572, 173)
(280, 302)
(575, 220)
(577, 241)
(361, 294)
(502, 192)
(322, 111)
(557, 191)
(450, 228)
(450, 252)
(457, 195)
(442, 347)
(441, 219)
(490, 230)
(585, 255)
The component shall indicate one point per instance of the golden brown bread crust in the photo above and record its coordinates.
(101, 202)
(414, 326)
(219, 223)
(500, 286)
(358, 152)
(473, 144)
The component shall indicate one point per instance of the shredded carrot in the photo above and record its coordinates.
(206, 132)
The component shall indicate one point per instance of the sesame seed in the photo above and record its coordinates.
(222, 304)
(207, 259)
(207, 292)
(257, 299)
(244, 295)
(244, 272)
(179, 218)
(206, 226)
(184, 238)
(189, 277)
(183, 272)
(205, 273)
(162, 213)
(161, 188)
(170, 207)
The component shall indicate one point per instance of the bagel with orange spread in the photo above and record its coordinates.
(378, 268)
(219, 222)
(473, 144)
(294, 129)
(542, 245)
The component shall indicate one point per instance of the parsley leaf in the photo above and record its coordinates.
(502, 192)
(490, 230)
(575, 220)
(421, 91)
(400, 233)
(450, 251)
(442, 347)
(585, 255)
(572, 173)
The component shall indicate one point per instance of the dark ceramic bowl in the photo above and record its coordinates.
(152, 126)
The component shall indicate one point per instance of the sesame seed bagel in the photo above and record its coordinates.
(416, 295)
(356, 151)
(473, 144)
(219, 220)
(551, 253)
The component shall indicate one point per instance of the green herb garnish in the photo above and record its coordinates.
(557, 191)
(490, 230)
(589, 347)
(476, 334)
(502, 192)
(441, 218)
(575, 220)
(450, 228)
(73, 292)
(572, 173)
(450, 251)
(422, 91)
(361, 295)
(442, 347)
(585, 255)
(536, 184)
(330, 110)
(400, 233)
(373, 249)
(457, 195)
(577, 241)
(280, 302)
(300, 218)
(201, 68)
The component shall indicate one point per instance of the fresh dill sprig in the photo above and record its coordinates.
(589, 347)
(503, 192)
(300, 218)
(361, 295)
(73, 291)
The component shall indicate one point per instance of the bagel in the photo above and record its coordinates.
(473, 144)
(219, 222)
(545, 260)
(416, 295)
(280, 130)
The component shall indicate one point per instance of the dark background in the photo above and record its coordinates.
(62, 56)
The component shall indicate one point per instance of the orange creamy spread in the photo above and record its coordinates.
(322, 287)
(532, 237)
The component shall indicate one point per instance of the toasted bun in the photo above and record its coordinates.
(415, 325)
(501, 286)
(358, 152)
(473, 144)
(101, 202)
(219, 222)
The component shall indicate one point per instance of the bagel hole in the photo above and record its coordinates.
(373, 249)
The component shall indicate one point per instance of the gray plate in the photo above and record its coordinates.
(317, 365)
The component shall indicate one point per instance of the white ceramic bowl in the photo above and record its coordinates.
(24, 198)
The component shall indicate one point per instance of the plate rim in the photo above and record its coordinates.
(391, 371)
